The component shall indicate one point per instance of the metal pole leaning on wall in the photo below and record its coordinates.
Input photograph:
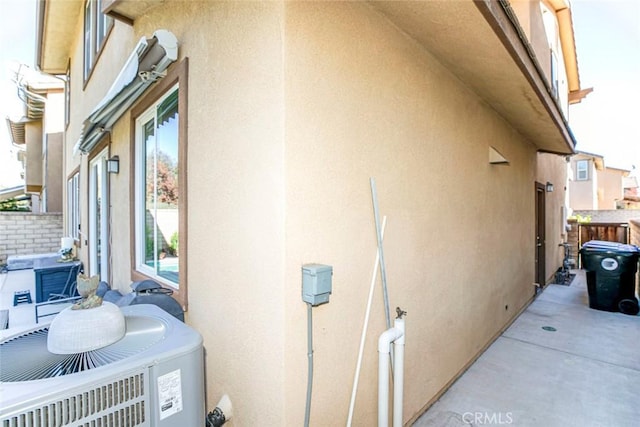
(383, 273)
(365, 325)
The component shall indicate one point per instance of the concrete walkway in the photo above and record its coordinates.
(582, 371)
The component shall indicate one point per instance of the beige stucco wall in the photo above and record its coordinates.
(601, 190)
(52, 171)
(33, 166)
(542, 41)
(583, 195)
(364, 101)
(529, 16)
(292, 107)
(236, 194)
(609, 187)
(553, 168)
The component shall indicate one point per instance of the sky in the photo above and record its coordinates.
(17, 45)
(606, 122)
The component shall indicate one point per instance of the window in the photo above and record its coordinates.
(73, 206)
(67, 96)
(158, 190)
(96, 28)
(582, 170)
(554, 76)
(158, 200)
(103, 25)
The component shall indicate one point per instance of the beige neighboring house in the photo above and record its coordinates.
(38, 132)
(593, 185)
(631, 194)
(246, 134)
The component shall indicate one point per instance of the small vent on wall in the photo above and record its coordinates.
(495, 158)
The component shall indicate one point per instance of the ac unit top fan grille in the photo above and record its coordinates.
(26, 358)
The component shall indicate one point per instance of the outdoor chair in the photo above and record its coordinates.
(70, 289)
(69, 295)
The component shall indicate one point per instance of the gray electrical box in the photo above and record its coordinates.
(316, 283)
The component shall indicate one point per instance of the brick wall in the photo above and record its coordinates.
(23, 233)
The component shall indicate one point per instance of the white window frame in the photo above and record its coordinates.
(89, 28)
(99, 230)
(582, 170)
(140, 192)
(102, 26)
(554, 76)
(73, 206)
(96, 29)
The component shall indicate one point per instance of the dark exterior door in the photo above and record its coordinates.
(541, 274)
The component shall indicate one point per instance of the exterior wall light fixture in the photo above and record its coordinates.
(549, 187)
(113, 165)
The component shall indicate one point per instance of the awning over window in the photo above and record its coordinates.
(148, 62)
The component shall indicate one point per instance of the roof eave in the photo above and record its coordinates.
(55, 25)
(484, 46)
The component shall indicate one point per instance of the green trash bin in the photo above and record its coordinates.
(611, 274)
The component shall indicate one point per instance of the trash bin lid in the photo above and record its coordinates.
(611, 247)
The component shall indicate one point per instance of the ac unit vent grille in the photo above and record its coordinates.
(120, 403)
(26, 357)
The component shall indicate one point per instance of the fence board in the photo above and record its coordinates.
(610, 232)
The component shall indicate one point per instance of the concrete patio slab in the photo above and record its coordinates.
(586, 372)
(22, 316)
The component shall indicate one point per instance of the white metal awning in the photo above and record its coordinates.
(11, 193)
(146, 64)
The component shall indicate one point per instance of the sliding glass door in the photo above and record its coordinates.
(98, 217)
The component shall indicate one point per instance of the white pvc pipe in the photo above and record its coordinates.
(398, 374)
(384, 344)
(365, 326)
(383, 388)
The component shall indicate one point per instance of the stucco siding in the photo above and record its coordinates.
(553, 169)
(235, 175)
(33, 167)
(610, 188)
(363, 100)
(52, 171)
(292, 107)
(236, 196)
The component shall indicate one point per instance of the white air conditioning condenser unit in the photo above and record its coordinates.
(152, 377)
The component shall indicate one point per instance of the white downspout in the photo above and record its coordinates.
(395, 334)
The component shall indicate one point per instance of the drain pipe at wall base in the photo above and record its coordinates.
(393, 335)
(221, 414)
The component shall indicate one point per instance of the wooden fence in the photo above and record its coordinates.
(610, 232)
